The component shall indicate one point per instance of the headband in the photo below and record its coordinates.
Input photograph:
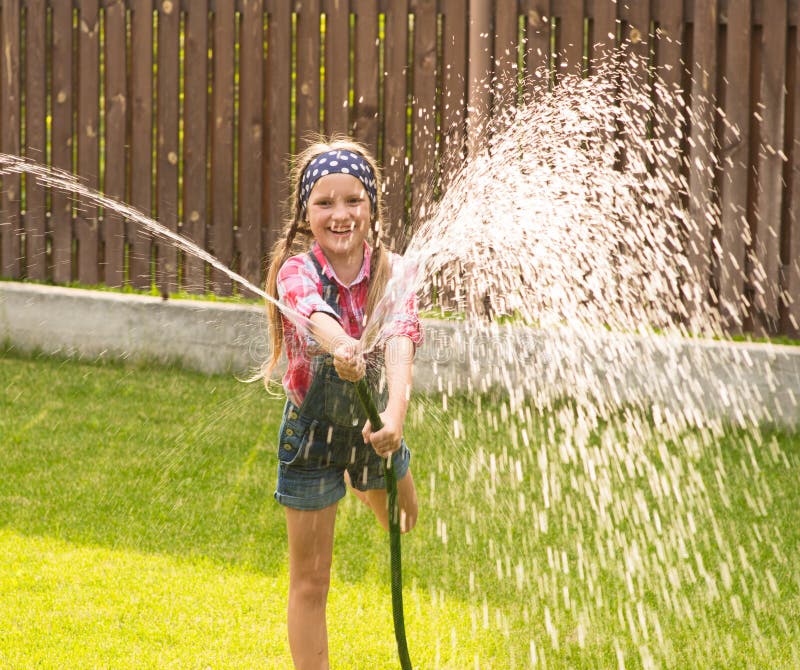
(338, 161)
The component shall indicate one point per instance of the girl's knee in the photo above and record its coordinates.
(408, 519)
(312, 585)
(407, 498)
(408, 513)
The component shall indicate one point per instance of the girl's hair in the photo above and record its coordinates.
(297, 238)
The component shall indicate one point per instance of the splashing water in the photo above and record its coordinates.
(544, 225)
(589, 474)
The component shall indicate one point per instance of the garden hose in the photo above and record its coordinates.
(394, 530)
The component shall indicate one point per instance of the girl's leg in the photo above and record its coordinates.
(310, 556)
(406, 499)
(358, 494)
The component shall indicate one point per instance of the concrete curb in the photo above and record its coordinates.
(741, 381)
(215, 338)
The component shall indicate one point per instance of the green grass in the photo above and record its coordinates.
(138, 530)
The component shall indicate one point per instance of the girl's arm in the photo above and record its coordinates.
(399, 358)
(399, 367)
(298, 289)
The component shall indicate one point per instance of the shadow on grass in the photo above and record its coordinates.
(165, 461)
(153, 459)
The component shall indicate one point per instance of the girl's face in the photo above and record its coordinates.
(338, 212)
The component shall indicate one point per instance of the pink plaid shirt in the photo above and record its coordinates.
(300, 289)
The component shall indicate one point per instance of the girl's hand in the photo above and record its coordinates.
(348, 361)
(387, 440)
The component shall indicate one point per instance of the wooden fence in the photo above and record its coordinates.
(189, 111)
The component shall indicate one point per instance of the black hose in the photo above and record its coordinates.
(367, 401)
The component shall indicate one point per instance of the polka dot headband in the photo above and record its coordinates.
(338, 161)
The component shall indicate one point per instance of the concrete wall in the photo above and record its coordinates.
(206, 336)
(682, 376)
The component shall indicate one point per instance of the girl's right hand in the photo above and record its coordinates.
(349, 362)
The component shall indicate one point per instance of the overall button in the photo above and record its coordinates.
(289, 432)
(287, 446)
(292, 415)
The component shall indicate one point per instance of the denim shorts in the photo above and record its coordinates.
(313, 456)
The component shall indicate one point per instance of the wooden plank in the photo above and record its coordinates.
(10, 248)
(754, 132)
(636, 32)
(195, 142)
(307, 122)
(570, 36)
(636, 39)
(506, 69)
(141, 144)
(701, 169)
(669, 33)
(251, 139)
(670, 71)
(115, 150)
(221, 230)
(792, 230)
(365, 75)
(603, 33)
(424, 114)
(167, 150)
(770, 164)
(762, 9)
(278, 109)
(454, 89)
(86, 224)
(394, 105)
(537, 37)
(35, 140)
(61, 139)
(670, 119)
(637, 25)
(479, 94)
(735, 150)
(337, 67)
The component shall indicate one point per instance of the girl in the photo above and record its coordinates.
(331, 267)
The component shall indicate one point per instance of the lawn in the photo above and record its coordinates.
(138, 530)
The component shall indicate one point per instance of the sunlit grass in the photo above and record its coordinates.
(74, 605)
(138, 529)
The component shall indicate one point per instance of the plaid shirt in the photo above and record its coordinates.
(300, 289)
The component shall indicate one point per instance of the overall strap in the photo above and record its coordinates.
(330, 292)
(344, 394)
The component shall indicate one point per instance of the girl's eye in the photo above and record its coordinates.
(356, 201)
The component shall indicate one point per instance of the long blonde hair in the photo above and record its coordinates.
(297, 238)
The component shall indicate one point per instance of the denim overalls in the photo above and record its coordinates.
(322, 438)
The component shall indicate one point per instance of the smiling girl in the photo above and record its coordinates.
(331, 267)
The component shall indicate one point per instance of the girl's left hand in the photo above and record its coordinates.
(386, 440)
